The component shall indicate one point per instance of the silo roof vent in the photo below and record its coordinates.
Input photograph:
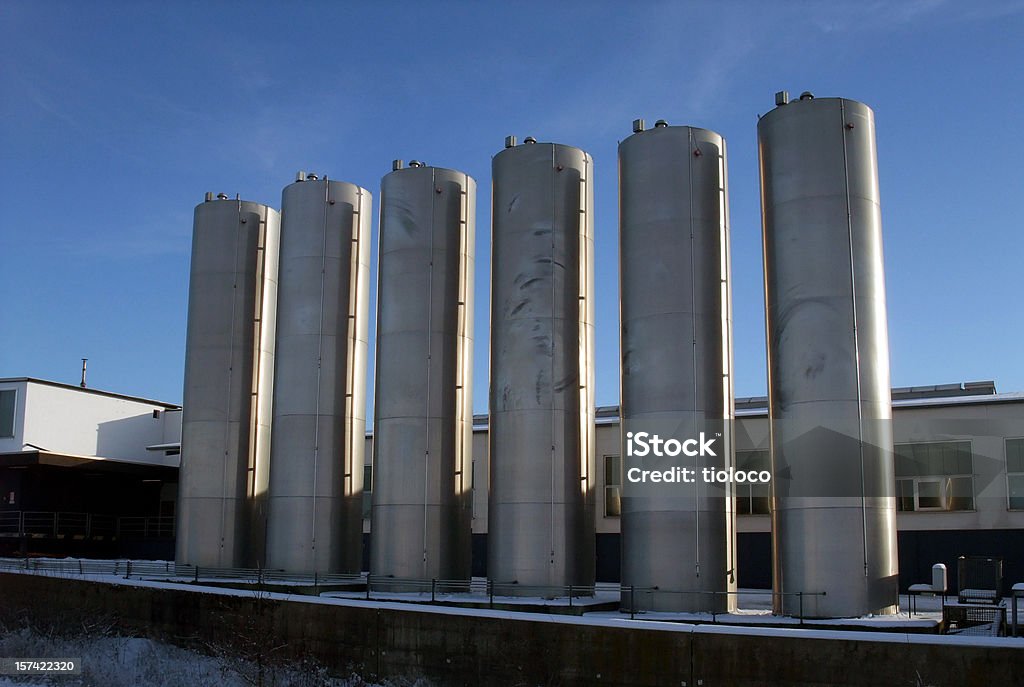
(806, 95)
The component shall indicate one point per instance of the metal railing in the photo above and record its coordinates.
(70, 525)
(712, 606)
(169, 570)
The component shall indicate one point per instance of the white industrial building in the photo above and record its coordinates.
(77, 462)
(959, 474)
(84, 471)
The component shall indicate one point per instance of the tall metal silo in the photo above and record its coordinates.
(423, 410)
(316, 469)
(678, 540)
(229, 383)
(542, 465)
(834, 511)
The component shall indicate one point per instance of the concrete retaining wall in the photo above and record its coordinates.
(456, 647)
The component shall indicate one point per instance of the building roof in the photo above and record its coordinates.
(89, 390)
(964, 393)
(24, 459)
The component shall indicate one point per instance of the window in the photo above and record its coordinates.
(472, 490)
(937, 476)
(367, 490)
(7, 403)
(1015, 473)
(612, 486)
(752, 499)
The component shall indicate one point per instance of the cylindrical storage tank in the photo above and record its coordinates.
(541, 534)
(678, 539)
(229, 385)
(833, 505)
(316, 470)
(423, 412)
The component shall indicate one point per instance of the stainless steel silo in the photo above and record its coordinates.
(542, 464)
(423, 410)
(833, 513)
(316, 470)
(678, 540)
(229, 382)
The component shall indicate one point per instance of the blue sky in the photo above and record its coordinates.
(116, 118)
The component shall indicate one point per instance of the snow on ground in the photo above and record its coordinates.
(133, 661)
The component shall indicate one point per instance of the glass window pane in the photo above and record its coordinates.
(965, 462)
(367, 486)
(904, 460)
(7, 403)
(950, 460)
(612, 502)
(759, 500)
(929, 494)
(1015, 455)
(612, 471)
(935, 463)
(1015, 483)
(742, 505)
(904, 494)
(961, 493)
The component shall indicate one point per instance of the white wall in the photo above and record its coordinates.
(70, 421)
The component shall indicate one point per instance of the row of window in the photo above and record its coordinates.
(934, 476)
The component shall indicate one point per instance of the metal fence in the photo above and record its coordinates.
(67, 525)
(477, 591)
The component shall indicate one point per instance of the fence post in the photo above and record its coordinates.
(632, 601)
(433, 590)
(368, 587)
(128, 570)
(196, 578)
(800, 596)
(490, 590)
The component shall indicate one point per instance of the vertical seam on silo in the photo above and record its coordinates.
(856, 341)
(356, 243)
(728, 409)
(693, 350)
(319, 371)
(231, 366)
(460, 416)
(430, 333)
(583, 312)
(551, 380)
(257, 376)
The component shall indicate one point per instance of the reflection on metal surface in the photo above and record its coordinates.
(423, 414)
(542, 462)
(229, 362)
(828, 357)
(316, 475)
(676, 362)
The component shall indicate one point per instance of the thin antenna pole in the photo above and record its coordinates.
(84, 361)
